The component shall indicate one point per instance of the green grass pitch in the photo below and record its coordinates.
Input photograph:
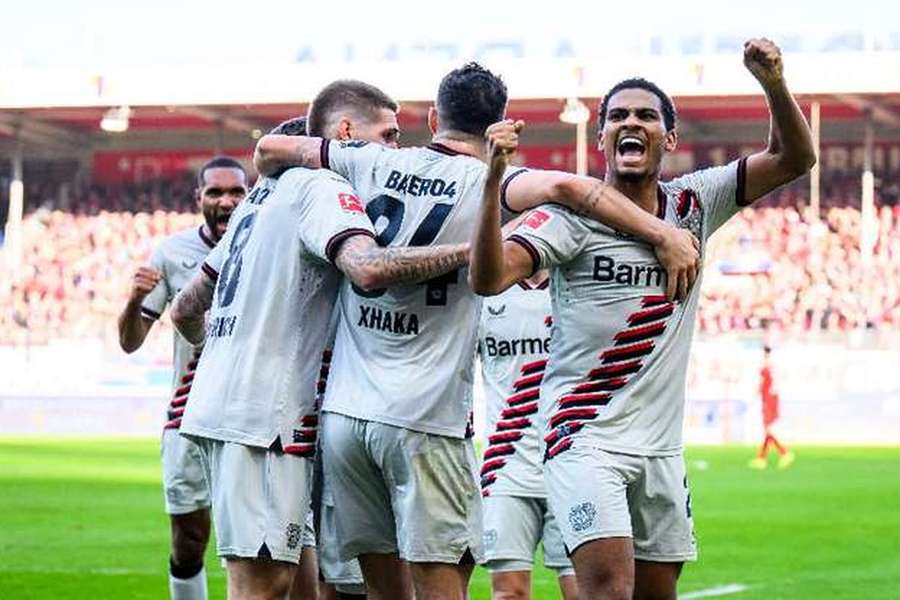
(84, 519)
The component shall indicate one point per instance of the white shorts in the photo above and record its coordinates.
(513, 528)
(597, 494)
(184, 482)
(334, 570)
(397, 490)
(309, 532)
(260, 500)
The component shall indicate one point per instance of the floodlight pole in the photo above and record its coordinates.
(815, 126)
(581, 149)
(868, 224)
(13, 230)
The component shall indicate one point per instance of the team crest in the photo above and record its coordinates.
(689, 212)
(490, 539)
(536, 219)
(293, 534)
(581, 516)
(350, 203)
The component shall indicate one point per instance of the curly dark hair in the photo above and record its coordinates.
(470, 99)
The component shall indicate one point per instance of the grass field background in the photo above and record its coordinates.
(84, 519)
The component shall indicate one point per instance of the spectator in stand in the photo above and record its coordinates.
(805, 274)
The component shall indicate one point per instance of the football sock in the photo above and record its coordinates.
(187, 582)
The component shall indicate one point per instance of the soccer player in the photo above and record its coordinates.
(272, 283)
(514, 344)
(221, 185)
(613, 391)
(770, 415)
(399, 394)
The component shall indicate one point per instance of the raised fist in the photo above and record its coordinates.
(763, 59)
(502, 142)
(143, 282)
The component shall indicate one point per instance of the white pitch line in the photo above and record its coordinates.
(715, 592)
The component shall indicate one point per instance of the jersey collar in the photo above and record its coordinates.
(205, 238)
(446, 150)
(544, 284)
(661, 201)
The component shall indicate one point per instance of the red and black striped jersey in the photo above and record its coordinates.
(514, 344)
(618, 362)
(177, 258)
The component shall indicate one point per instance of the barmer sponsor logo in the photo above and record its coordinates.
(607, 270)
(501, 347)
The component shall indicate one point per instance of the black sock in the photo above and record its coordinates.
(184, 571)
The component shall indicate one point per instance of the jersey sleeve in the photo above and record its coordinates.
(552, 235)
(506, 213)
(353, 159)
(155, 302)
(212, 265)
(332, 214)
(719, 190)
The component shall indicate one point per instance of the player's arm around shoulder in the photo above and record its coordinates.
(277, 152)
(790, 152)
(371, 267)
(677, 249)
(495, 265)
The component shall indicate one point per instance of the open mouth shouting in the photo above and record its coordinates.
(631, 148)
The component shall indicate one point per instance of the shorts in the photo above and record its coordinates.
(513, 528)
(184, 481)
(345, 575)
(597, 494)
(333, 569)
(309, 532)
(403, 491)
(260, 500)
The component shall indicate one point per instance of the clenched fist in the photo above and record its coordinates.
(143, 282)
(502, 142)
(763, 59)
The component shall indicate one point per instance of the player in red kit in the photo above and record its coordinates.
(770, 415)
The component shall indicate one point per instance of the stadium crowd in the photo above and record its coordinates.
(775, 265)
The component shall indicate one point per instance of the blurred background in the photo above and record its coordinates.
(107, 111)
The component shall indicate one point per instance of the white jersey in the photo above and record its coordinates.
(268, 324)
(514, 343)
(620, 350)
(177, 258)
(405, 355)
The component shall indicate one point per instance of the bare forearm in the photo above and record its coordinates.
(486, 266)
(276, 152)
(371, 267)
(789, 134)
(601, 202)
(189, 309)
(133, 327)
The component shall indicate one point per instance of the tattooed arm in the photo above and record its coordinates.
(676, 249)
(370, 266)
(190, 306)
(276, 152)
